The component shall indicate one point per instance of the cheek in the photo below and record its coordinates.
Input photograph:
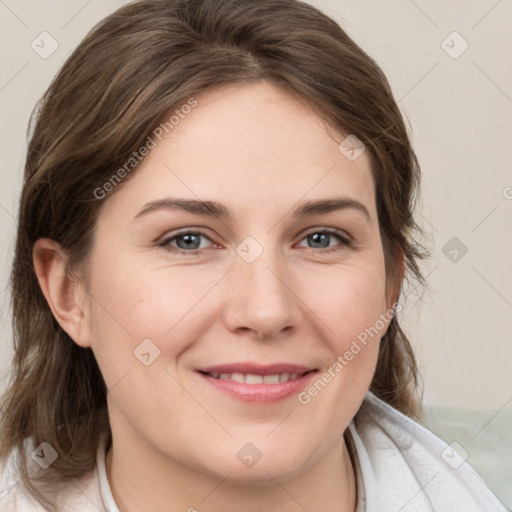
(352, 304)
(130, 305)
(350, 308)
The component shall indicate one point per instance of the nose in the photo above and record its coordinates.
(260, 298)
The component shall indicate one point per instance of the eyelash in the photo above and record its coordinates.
(345, 241)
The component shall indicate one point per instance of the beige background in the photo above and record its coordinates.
(460, 113)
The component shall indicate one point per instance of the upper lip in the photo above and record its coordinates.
(257, 369)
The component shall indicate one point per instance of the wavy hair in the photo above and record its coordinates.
(148, 58)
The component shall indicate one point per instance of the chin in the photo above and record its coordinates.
(251, 467)
(263, 474)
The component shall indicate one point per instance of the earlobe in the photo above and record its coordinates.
(64, 293)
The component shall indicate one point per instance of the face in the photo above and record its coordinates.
(234, 330)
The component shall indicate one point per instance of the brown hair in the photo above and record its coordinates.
(146, 59)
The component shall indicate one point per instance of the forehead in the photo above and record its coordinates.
(249, 143)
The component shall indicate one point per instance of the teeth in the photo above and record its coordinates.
(237, 377)
(253, 379)
(271, 379)
(249, 378)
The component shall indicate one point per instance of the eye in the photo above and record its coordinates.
(189, 242)
(321, 239)
(186, 241)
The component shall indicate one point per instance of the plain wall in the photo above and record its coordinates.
(460, 112)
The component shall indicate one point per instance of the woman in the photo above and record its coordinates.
(214, 227)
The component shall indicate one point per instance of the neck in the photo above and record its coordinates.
(143, 480)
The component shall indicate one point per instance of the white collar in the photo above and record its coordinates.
(395, 456)
(106, 493)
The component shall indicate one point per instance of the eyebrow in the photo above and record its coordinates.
(220, 211)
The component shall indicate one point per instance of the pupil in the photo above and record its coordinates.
(187, 238)
(316, 236)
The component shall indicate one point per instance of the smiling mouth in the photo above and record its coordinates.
(251, 378)
(252, 383)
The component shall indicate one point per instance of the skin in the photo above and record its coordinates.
(259, 152)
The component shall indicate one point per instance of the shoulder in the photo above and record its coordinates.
(407, 467)
(13, 496)
(75, 495)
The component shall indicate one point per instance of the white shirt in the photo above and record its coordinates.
(400, 466)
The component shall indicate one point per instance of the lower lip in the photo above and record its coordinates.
(264, 393)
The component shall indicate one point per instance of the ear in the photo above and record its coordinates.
(396, 285)
(64, 294)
